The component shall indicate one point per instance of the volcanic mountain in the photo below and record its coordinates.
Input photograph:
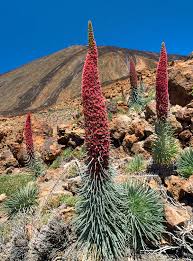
(56, 78)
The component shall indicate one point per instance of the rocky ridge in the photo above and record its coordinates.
(56, 79)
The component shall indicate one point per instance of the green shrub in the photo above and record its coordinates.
(136, 164)
(9, 184)
(56, 201)
(185, 163)
(51, 203)
(56, 163)
(144, 215)
(165, 147)
(67, 154)
(70, 153)
(24, 199)
(72, 171)
(69, 200)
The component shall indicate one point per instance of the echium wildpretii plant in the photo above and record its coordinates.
(165, 147)
(137, 99)
(29, 139)
(97, 137)
(32, 161)
(99, 223)
(141, 84)
(162, 95)
(134, 95)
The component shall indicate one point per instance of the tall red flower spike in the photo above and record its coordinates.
(133, 74)
(162, 96)
(28, 137)
(97, 136)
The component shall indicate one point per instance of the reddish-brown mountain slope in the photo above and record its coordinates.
(56, 78)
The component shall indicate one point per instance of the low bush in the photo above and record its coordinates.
(135, 165)
(23, 199)
(144, 215)
(69, 200)
(185, 163)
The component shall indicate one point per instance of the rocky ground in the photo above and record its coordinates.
(59, 140)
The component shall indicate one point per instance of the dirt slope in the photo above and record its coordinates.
(56, 78)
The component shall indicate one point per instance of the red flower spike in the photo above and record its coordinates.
(162, 96)
(133, 74)
(97, 136)
(28, 137)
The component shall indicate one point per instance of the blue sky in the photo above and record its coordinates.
(32, 29)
